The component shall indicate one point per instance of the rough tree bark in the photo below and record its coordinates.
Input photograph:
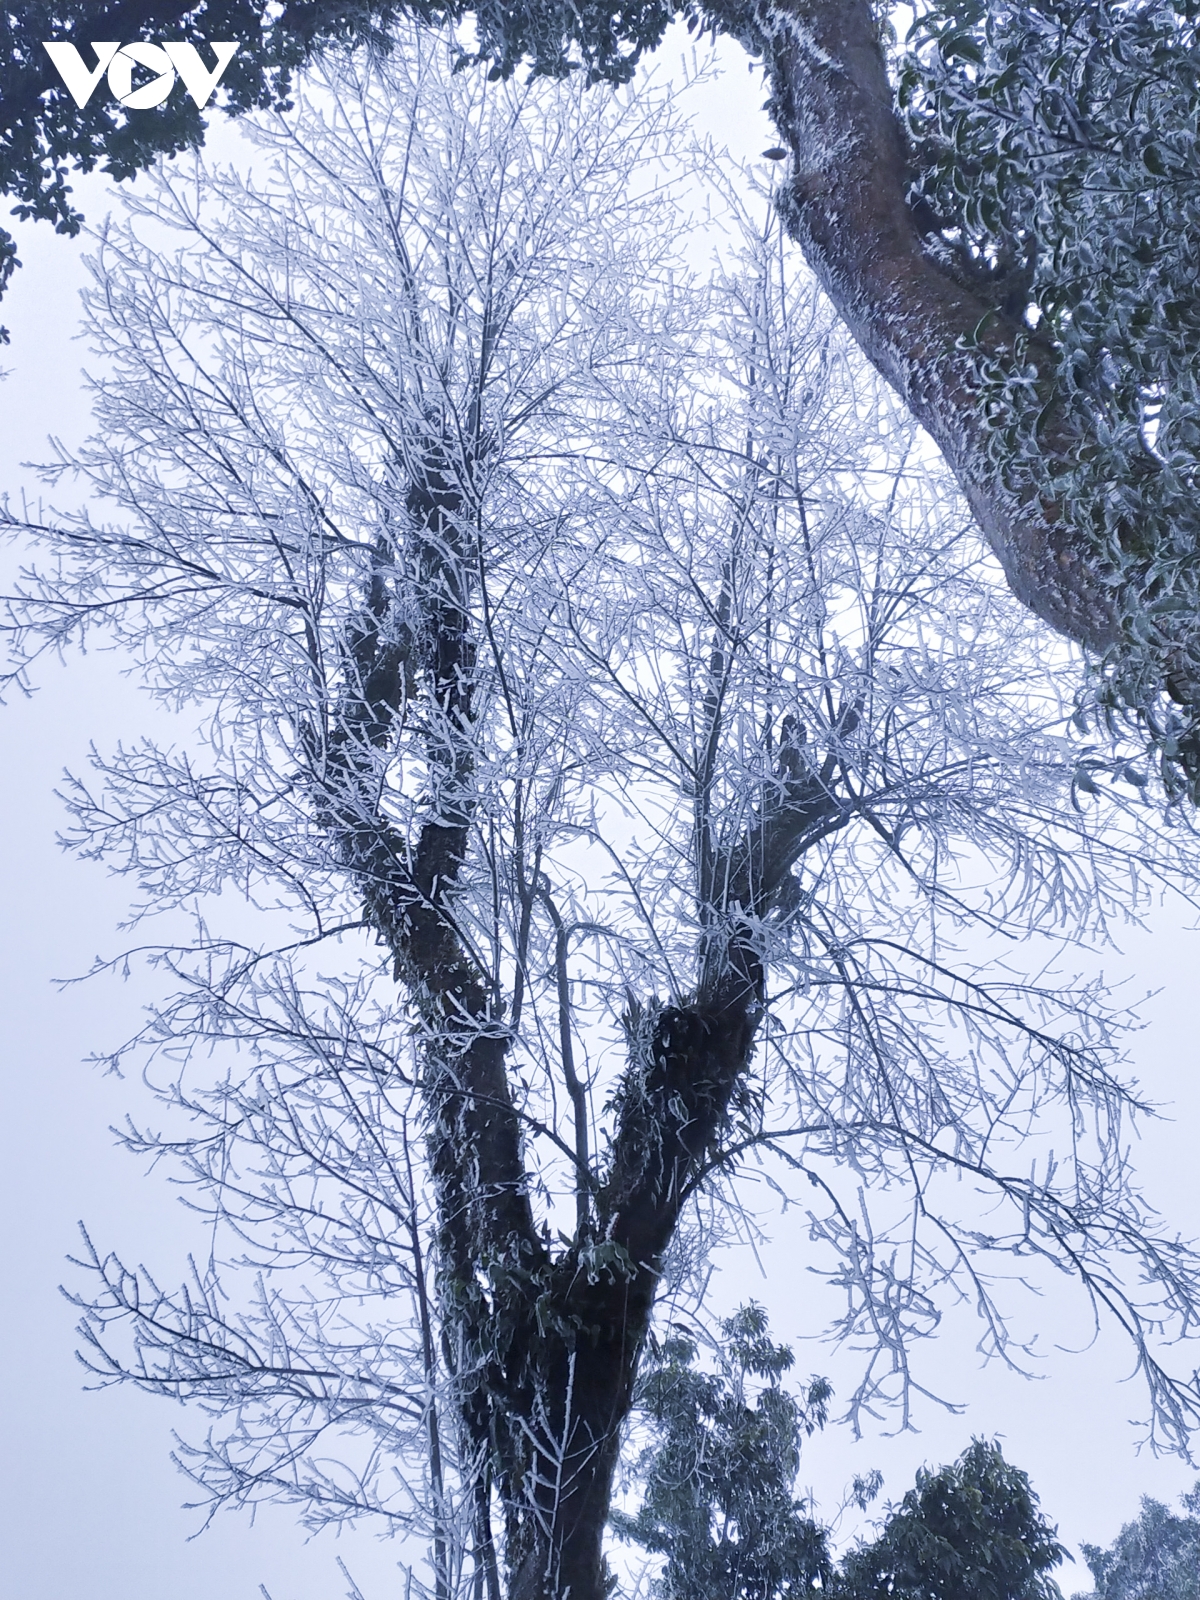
(848, 209)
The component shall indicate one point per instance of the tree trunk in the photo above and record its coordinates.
(576, 1373)
(848, 209)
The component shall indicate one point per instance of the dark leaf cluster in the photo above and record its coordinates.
(44, 135)
(1057, 146)
(971, 1531)
(718, 1496)
(718, 1490)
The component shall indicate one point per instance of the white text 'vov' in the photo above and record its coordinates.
(117, 61)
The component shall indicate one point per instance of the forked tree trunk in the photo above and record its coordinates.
(545, 1347)
(576, 1386)
(543, 1344)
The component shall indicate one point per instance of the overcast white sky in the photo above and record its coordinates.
(91, 1501)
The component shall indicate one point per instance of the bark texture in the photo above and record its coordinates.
(848, 209)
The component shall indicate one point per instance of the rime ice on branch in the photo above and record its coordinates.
(643, 765)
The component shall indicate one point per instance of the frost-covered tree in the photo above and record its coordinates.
(1155, 1558)
(999, 201)
(639, 772)
(717, 1482)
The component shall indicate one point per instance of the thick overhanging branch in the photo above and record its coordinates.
(923, 329)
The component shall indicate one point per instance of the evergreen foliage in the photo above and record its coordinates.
(718, 1500)
(971, 1531)
(718, 1497)
(1155, 1558)
(1058, 146)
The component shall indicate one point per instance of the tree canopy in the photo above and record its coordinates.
(999, 204)
(970, 1531)
(44, 135)
(718, 1482)
(1157, 1557)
